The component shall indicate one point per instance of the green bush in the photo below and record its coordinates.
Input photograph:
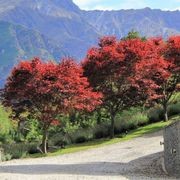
(5, 125)
(81, 139)
(101, 131)
(141, 118)
(175, 98)
(33, 132)
(59, 139)
(32, 149)
(156, 113)
(123, 125)
(82, 135)
(18, 150)
(130, 119)
(62, 142)
(6, 157)
(15, 150)
(79, 135)
(174, 109)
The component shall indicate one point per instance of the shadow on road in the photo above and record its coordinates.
(149, 166)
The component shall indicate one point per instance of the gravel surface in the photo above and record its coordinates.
(137, 159)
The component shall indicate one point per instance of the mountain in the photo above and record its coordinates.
(52, 29)
(59, 20)
(18, 42)
(146, 21)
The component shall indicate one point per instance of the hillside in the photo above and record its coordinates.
(18, 42)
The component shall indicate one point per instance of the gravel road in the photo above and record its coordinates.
(137, 159)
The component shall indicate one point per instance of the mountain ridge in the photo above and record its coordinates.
(155, 17)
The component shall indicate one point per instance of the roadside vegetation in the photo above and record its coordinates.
(73, 138)
(121, 90)
(106, 141)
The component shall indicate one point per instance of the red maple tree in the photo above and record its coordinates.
(108, 70)
(47, 90)
(170, 51)
(125, 72)
(158, 73)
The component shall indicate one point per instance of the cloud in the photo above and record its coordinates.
(104, 8)
(127, 4)
(85, 4)
(133, 4)
(109, 5)
(175, 9)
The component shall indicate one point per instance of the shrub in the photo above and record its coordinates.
(79, 135)
(101, 131)
(130, 119)
(61, 142)
(141, 118)
(18, 150)
(126, 125)
(33, 133)
(6, 157)
(5, 125)
(82, 135)
(15, 150)
(32, 149)
(155, 114)
(60, 139)
(81, 139)
(175, 98)
(174, 109)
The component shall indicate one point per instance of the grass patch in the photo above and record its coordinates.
(5, 123)
(102, 142)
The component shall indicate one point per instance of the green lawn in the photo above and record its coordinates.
(102, 142)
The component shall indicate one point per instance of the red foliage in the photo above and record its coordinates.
(172, 52)
(47, 89)
(108, 68)
(127, 72)
(168, 66)
(50, 88)
(128, 63)
(75, 88)
(152, 71)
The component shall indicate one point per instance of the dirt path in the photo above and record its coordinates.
(139, 158)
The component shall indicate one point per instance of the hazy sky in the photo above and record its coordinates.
(128, 4)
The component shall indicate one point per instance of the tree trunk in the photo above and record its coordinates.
(44, 141)
(112, 126)
(165, 112)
